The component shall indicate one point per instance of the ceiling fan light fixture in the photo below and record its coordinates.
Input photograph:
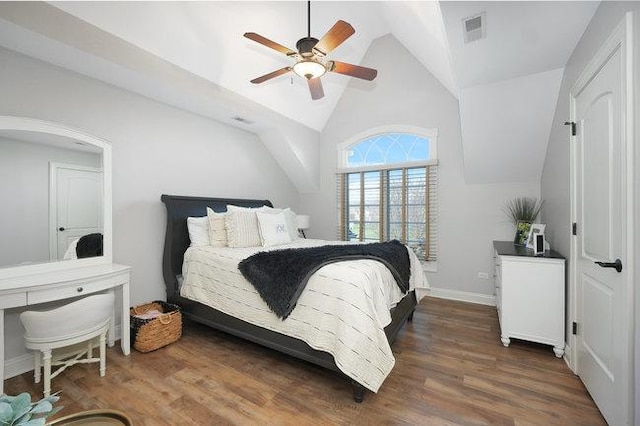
(310, 57)
(309, 69)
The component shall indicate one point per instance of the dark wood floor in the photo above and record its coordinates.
(451, 369)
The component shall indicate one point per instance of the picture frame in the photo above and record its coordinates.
(522, 233)
(536, 229)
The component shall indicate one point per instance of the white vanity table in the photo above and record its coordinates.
(41, 275)
(38, 288)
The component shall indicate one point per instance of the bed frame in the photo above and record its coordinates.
(176, 243)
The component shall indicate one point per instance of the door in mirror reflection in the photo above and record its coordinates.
(76, 206)
(27, 231)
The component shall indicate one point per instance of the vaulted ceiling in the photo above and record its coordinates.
(192, 55)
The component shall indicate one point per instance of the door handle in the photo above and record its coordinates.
(617, 265)
(61, 229)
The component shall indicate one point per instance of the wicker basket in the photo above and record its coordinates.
(150, 334)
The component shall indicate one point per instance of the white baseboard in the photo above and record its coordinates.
(24, 363)
(18, 365)
(567, 358)
(463, 296)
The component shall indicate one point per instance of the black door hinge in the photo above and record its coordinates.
(574, 328)
(574, 228)
(573, 126)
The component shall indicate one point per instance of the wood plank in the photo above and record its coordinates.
(451, 369)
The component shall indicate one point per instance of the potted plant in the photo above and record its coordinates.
(19, 410)
(523, 211)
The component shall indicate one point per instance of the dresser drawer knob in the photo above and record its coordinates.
(79, 289)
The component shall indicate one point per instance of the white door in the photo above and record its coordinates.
(601, 255)
(76, 205)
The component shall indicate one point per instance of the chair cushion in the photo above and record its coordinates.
(84, 316)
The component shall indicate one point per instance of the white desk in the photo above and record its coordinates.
(47, 287)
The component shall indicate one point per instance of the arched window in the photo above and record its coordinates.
(389, 148)
(387, 188)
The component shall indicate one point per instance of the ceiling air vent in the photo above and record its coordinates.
(242, 120)
(473, 28)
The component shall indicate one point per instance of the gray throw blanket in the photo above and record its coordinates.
(279, 276)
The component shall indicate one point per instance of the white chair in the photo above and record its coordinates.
(77, 327)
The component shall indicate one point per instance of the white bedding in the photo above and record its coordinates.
(343, 309)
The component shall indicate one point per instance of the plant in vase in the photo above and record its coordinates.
(523, 211)
(19, 410)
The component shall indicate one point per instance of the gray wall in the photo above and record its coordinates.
(24, 179)
(156, 149)
(555, 179)
(470, 216)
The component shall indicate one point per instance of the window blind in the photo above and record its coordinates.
(393, 203)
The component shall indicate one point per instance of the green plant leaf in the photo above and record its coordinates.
(20, 411)
(42, 407)
(523, 209)
(52, 399)
(7, 398)
(34, 422)
(6, 413)
(22, 419)
(21, 405)
(21, 401)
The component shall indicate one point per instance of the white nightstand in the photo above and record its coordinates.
(530, 295)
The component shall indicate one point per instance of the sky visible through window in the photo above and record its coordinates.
(388, 148)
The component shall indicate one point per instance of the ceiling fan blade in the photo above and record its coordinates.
(333, 38)
(315, 86)
(269, 43)
(271, 75)
(352, 70)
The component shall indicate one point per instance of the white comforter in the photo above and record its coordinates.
(343, 309)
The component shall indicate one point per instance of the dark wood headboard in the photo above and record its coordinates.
(177, 236)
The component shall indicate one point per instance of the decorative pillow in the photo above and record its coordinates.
(290, 216)
(198, 228)
(242, 227)
(273, 228)
(71, 250)
(217, 230)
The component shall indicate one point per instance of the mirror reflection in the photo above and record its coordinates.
(51, 189)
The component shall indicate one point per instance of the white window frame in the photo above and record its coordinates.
(431, 134)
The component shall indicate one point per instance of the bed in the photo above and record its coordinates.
(176, 244)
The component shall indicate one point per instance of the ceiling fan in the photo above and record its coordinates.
(310, 57)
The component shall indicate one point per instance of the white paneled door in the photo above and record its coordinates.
(76, 205)
(601, 253)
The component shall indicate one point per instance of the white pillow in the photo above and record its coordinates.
(217, 230)
(198, 228)
(290, 216)
(71, 250)
(273, 228)
(242, 227)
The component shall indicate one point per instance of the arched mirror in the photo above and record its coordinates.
(55, 187)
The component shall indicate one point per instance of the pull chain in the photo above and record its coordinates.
(309, 19)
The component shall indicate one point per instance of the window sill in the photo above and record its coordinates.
(429, 266)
